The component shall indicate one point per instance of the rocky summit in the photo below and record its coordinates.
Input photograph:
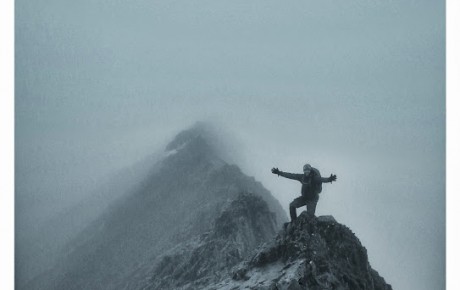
(310, 253)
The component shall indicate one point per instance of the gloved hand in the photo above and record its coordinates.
(275, 171)
(333, 177)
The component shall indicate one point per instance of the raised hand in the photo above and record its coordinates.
(333, 177)
(275, 171)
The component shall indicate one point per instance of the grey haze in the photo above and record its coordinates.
(355, 88)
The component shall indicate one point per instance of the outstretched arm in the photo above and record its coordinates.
(286, 174)
(331, 178)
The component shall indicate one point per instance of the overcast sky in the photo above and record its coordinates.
(355, 88)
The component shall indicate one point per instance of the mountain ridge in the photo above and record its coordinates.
(244, 224)
(198, 222)
(189, 187)
(309, 253)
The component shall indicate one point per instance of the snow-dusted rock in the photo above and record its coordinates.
(310, 253)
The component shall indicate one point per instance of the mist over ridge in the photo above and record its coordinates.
(178, 198)
(355, 88)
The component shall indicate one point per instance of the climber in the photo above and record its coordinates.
(311, 187)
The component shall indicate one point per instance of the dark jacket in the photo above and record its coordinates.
(311, 184)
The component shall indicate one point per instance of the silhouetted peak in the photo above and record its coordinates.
(207, 137)
(200, 132)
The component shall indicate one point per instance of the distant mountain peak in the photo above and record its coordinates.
(214, 139)
(200, 132)
(188, 192)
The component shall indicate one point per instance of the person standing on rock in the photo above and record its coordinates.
(311, 187)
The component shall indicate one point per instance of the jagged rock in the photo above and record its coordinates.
(311, 253)
(243, 225)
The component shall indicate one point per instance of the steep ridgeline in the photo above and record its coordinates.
(179, 200)
(244, 224)
(38, 248)
(314, 254)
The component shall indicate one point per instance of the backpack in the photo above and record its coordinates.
(319, 186)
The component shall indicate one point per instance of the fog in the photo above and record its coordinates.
(355, 88)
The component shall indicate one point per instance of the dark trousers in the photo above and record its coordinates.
(301, 201)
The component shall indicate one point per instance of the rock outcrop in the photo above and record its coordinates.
(311, 253)
(244, 224)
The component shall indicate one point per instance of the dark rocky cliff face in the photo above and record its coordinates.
(243, 225)
(311, 253)
(240, 252)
